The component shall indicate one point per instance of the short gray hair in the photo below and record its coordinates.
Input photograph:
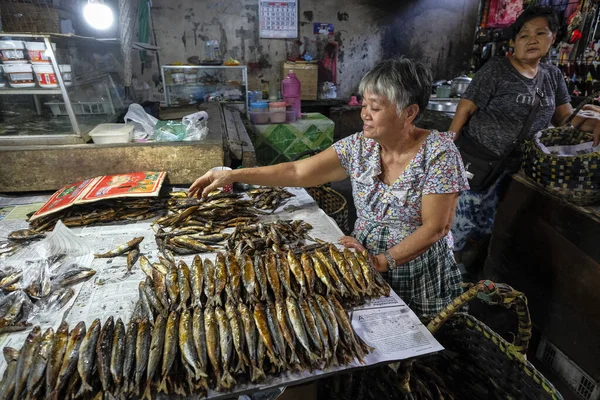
(402, 81)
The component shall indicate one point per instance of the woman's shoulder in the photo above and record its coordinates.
(357, 140)
(552, 70)
(440, 142)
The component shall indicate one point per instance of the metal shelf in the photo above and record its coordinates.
(29, 91)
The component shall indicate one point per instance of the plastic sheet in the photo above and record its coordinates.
(47, 267)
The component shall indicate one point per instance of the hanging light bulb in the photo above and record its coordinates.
(98, 15)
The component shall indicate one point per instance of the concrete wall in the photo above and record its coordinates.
(439, 32)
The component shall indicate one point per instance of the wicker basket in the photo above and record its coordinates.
(477, 363)
(333, 203)
(575, 178)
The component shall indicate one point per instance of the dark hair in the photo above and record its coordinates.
(402, 81)
(533, 12)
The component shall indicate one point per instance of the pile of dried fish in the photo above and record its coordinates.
(269, 198)
(44, 282)
(279, 235)
(130, 249)
(195, 225)
(123, 209)
(207, 325)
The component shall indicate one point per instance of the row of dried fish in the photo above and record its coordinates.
(264, 276)
(127, 209)
(269, 198)
(185, 352)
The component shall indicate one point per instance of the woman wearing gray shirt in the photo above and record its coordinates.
(496, 105)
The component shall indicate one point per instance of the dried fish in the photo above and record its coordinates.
(87, 357)
(226, 345)
(117, 357)
(122, 249)
(56, 356)
(197, 281)
(69, 363)
(40, 360)
(103, 353)
(132, 258)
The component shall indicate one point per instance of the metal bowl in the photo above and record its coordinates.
(443, 105)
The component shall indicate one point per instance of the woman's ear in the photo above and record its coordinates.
(412, 111)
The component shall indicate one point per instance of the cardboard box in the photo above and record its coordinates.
(307, 74)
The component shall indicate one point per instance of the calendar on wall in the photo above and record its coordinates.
(278, 19)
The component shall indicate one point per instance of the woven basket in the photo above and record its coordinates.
(333, 203)
(575, 178)
(477, 363)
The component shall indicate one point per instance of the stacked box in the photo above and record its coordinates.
(307, 74)
(276, 143)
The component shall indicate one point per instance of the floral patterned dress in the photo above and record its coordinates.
(388, 214)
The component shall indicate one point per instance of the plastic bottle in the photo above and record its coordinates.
(291, 90)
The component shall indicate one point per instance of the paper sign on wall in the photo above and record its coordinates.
(278, 19)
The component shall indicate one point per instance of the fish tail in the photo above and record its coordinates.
(85, 388)
(294, 357)
(257, 374)
(162, 387)
(147, 392)
(227, 380)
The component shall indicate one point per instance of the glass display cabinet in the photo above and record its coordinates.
(189, 84)
(56, 88)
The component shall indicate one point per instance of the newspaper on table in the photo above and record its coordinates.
(387, 324)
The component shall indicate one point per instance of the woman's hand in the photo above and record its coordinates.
(379, 261)
(351, 243)
(209, 182)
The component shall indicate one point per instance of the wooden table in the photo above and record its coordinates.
(550, 250)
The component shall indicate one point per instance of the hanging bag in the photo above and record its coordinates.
(483, 166)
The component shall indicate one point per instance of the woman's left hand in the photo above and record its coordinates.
(379, 261)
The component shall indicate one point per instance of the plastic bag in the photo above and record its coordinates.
(47, 268)
(169, 131)
(195, 125)
(144, 122)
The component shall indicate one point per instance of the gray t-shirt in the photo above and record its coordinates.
(505, 98)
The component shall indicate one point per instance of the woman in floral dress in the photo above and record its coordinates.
(405, 183)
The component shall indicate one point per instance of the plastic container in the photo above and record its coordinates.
(191, 77)
(37, 52)
(258, 118)
(12, 52)
(178, 78)
(65, 70)
(443, 91)
(259, 106)
(19, 75)
(291, 90)
(211, 50)
(290, 116)
(112, 133)
(45, 75)
(277, 112)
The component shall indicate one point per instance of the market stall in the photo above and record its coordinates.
(122, 291)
